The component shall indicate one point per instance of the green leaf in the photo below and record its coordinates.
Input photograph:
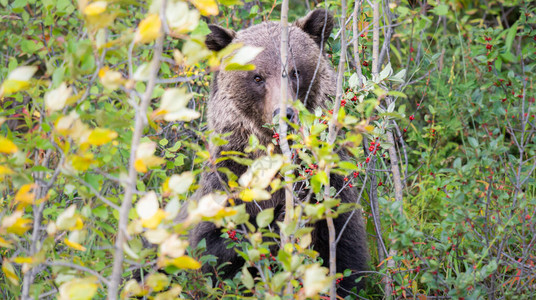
(318, 179)
(265, 217)
(231, 2)
(441, 9)
(201, 29)
(279, 280)
(318, 128)
(402, 10)
(247, 279)
(101, 212)
(510, 36)
(473, 142)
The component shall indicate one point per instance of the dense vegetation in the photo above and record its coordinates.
(102, 141)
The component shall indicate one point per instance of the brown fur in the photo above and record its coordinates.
(241, 105)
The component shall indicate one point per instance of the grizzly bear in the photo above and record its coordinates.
(242, 102)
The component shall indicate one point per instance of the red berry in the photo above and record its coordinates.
(365, 63)
(412, 117)
(488, 46)
(356, 174)
(380, 183)
(367, 160)
(527, 217)
(345, 178)
(411, 50)
(362, 35)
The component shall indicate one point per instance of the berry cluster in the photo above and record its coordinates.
(232, 235)
(276, 137)
(374, 147)
(311, 169)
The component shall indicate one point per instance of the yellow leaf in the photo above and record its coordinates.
(226, 212)
(57, 98)
(157, 281)
(172, 293)
(180, 19)
(82, 162)
(185, 262)
(7, 146)
(111, 79)
(9, 272)
(67, 219)
(249, 195)
(11, 86)
(385, 260)
(209, 205)
(23, 260)
(149, 29)
(101, 136)
(180, 184)
(206, 7)
(173, 107)
(153, 161)
(17, 80)
(155, 220)
(5, 170)
(173, 247)
(16, 223)
(5, 244)
(78, 289)
(147, 206)
(25, 194)
(132, 288)
(95, 8)
(66, 124)
(78, 225)
(140, 166)
(315, 280)
(74, 245)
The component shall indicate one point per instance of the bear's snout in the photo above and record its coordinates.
(291, 113)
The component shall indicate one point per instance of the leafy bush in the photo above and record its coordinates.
(102, 144)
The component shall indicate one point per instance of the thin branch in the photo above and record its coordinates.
(332, 135)
(77, 267)
(115, 279)
(357, 8)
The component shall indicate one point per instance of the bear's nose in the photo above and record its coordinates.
(290, 113)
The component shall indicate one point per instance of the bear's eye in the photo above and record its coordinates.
(257, 78)
(295, 73)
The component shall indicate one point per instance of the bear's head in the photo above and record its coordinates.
(244, 101)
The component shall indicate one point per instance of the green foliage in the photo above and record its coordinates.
(456, 89)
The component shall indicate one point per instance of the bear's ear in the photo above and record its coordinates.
(219, 37)
(315, 23)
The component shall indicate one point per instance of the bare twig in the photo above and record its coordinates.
(357, 8)
(332, 135)
(115, 279)
(77, 267)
